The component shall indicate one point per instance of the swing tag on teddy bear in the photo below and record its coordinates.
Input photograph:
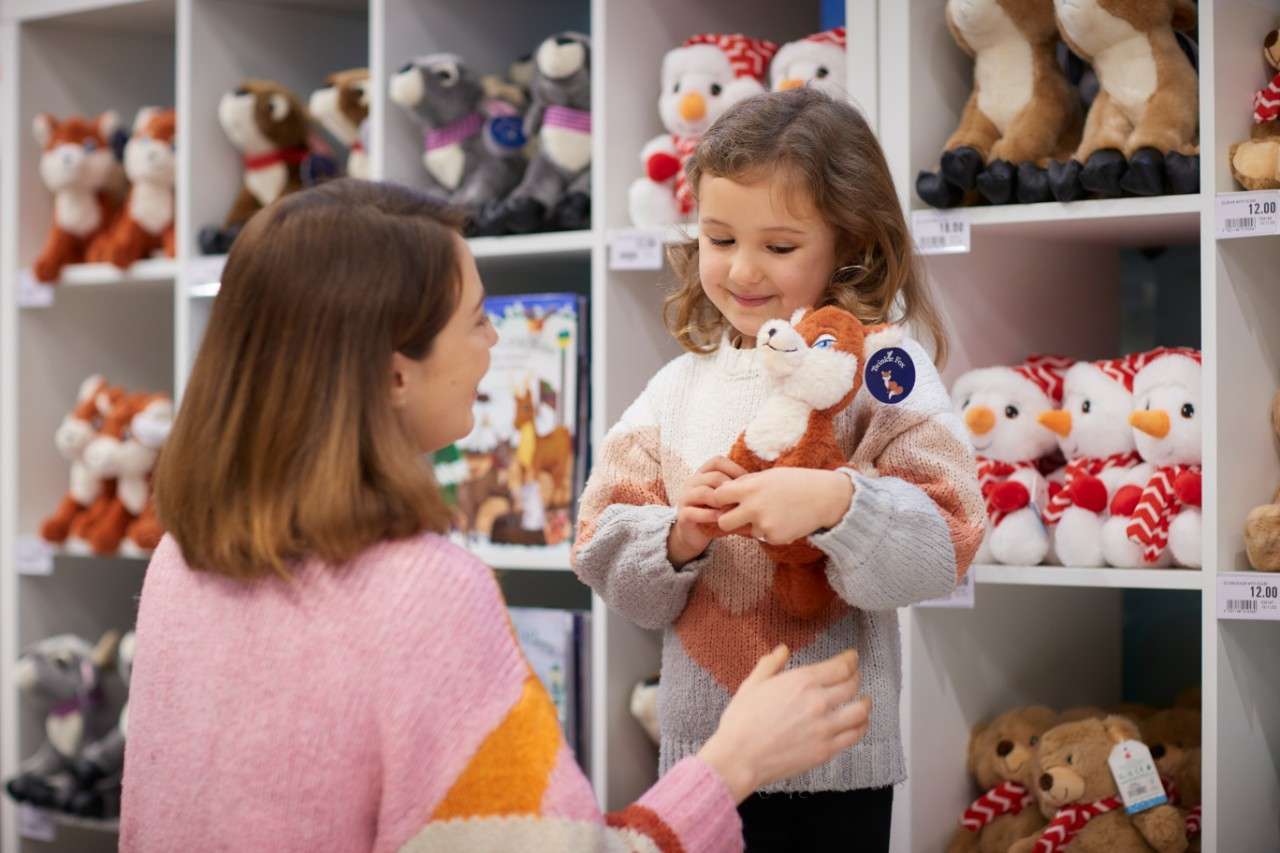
(1136, 777)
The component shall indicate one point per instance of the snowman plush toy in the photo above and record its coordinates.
(701, 80)
(1001, 407)
(1097, 440)
(1155, 517)
(817, 61)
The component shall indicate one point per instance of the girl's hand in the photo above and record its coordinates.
(688, 539)
(783, 723)
(783, 505)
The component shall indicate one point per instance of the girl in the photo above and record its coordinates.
(796, 209)
(319, 669)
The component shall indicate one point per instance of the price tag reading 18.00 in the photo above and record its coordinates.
(939, 232)
(1248, 595)
(1248, 214)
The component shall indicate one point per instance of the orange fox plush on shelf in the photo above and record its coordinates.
(146, 222)
(117, 455)
(79, 168)
(75, 432)
(815, 364)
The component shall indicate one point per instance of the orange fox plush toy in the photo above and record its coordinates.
(815, 363)
(146, 223)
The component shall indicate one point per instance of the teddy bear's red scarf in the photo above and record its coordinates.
(1007, 798)
(1068, 822)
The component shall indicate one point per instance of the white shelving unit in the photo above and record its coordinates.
(1037, 278)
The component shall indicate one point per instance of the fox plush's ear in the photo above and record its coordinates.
(879, 337)
(798, 315)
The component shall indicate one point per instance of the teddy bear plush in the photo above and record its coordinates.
(1262, 527)
(818, 60)
(270, 128)
(1021, 112)
(342, 108)
(1000, 759)
(473, 150)
(146, 222)
(701, 80)
(1000, 407)
(79, 167)
(1076, 791)
(814, 363)
(1174, 738)
(555, 192)
(1255, 163)
(1141, 136)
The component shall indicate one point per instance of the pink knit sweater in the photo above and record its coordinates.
(385, 706)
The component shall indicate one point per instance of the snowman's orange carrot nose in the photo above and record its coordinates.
(980, 420)
(1057, 420)
(1153, 422)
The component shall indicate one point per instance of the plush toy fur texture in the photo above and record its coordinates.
(815, 365)
(1021, 113)
(78, 167)
(1071, 769)
(1262, 527)
(1003, 750)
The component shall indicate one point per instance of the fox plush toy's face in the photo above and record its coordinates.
(817, 356)
(77, 152)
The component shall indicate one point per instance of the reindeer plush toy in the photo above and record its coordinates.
(815, 364)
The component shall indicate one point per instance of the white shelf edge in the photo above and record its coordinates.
(151, 271)
(523, 557)
(1086, 210)
(1104, 578)
(533, 245)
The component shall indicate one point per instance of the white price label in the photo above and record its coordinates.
(35, 824)
(939, 232)
(1136, 776)
(33, 556)
(1248, 214)
(960, 598)
(635, 249)
(31, 293)
(1249, 595)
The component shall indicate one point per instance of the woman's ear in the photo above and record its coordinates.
(401, 366)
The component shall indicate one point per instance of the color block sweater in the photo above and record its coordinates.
(914, 524)
(386, 706)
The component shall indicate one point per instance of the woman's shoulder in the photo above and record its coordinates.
(431, 566)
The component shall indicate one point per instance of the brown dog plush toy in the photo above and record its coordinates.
(1001, 756)
(1077, 792)
(1255, 164)
(815, 365)
(1262, 527)
(1142, 133)
(342, 106)
(1021, 113)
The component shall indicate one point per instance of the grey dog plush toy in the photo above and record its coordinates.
(471, 157)
(556, 191)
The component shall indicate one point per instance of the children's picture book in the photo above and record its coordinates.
(515, 478)
(557, 645)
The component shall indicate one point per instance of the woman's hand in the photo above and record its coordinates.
(780, 723)
(783, 505)
(688, 538)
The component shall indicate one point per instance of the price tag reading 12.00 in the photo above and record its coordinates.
(1248, 595)
(1248, 214)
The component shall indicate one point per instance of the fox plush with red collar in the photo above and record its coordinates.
(815, 363)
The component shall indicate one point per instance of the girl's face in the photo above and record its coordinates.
(434, 396)
(763, 250)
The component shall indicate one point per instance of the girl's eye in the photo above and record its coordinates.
(1085, 407)
(825, 342)
(1010, 412)
(715, 89)
(822, 72)
(1188, 410)
(782, 250)
(721, 243)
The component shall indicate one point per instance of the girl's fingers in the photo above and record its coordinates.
(851, 716)
(836, 670)
(735, 518)
(700, 514)
(768, 666)
(844, 692)
(724, 465)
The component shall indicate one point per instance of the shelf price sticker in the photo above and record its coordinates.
(31, 293)
(939, 232)
(1248, 595)
(33, 556)
(961, 598)
(35, 825)
(635, 249)
(1254, 214)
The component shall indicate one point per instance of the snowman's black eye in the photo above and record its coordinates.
(821, 72)
(1085, 407)
(715, 89)
(1188, 410)
(1010, 412)
(676, 87)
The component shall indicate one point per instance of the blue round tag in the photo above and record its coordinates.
(890, 375)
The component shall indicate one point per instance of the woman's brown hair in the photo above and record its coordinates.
(286, 444)
(827, 150)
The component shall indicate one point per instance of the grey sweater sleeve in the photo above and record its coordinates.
(626, 564)
(892, 548)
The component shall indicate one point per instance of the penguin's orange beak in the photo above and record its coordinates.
(980, 420)
(1058, 420)
(693, 107)
(1153, 422)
